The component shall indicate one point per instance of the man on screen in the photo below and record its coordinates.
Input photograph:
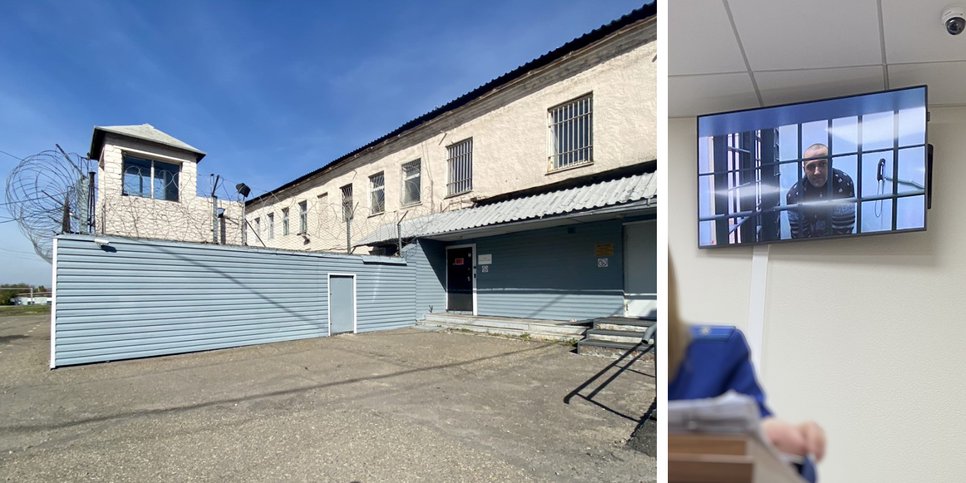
(815, 211)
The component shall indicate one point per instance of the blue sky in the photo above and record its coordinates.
(270, 90)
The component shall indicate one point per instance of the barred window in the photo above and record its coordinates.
(270, 218)
(411, 173)
(147, 178)
(257, 227)
(460, 162)
(285, 224)
(377, 193)
(571, 133)
(347, 202)
(303, 217)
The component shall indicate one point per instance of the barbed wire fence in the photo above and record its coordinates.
(325, 221)
(48, 194)
(53, 192)
(150, 201)
(326, 228)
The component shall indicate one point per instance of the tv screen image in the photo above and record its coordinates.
(838, 167)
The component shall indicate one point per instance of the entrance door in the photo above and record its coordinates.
(640, 268)
(459, 279)
(342, 310)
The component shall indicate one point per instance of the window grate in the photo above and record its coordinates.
(377, 196)
(271, 225)
(347, 210)
(303, 217)
(411, 173)
(571, 133)
(285, 224)
(460, 162)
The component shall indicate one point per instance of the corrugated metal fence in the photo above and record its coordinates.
(138, 298)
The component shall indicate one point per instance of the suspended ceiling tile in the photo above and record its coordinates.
(704, 94)
(701, 40)
(782, 87)
(945, 80)
(914, 32)
(809, 35)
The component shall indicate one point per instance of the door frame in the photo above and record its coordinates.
(472, 272)
(328, 298)
(624, 247)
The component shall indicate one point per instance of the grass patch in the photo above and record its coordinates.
(14, 310)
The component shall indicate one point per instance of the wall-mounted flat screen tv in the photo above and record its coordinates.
(839, 167)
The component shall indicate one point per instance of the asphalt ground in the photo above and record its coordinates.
(402, 405)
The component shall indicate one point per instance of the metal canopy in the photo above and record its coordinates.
(634, 193)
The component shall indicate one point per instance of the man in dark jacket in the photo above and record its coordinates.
(821, 206)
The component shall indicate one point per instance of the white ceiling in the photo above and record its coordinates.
(736, 54)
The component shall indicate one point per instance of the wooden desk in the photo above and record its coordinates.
(715, 458)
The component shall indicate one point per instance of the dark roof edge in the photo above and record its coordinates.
(643, 13)
(97, 144)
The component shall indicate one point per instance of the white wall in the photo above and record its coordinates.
(510, 143)
(863, 335)
(188, 219)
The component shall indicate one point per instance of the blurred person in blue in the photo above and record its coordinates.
(815, 211)
(707, 361)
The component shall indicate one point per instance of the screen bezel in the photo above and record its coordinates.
(927, 163)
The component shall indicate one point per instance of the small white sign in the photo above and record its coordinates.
(602, 263)
(484, 268)
(485, 259)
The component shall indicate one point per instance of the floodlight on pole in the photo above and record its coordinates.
(244, 191)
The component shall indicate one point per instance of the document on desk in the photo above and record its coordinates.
(730, 413)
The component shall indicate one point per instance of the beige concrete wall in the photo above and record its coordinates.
(510, 144)
(188, 219)
(863, 335)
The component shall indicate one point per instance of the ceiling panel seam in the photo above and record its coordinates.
(808, 69)
(882, 46)
(707, 74)
(744, 56)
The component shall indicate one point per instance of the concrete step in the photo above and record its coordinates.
(510, 324)
(450, 317)
(643, 323)
(607, 348)
(626, 336)
(640, 329)
(510, 332)
(571, 332)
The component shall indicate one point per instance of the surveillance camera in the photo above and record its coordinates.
(954, 18)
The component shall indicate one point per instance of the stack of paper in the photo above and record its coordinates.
(728, 413)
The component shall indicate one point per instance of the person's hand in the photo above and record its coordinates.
(804, 439)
